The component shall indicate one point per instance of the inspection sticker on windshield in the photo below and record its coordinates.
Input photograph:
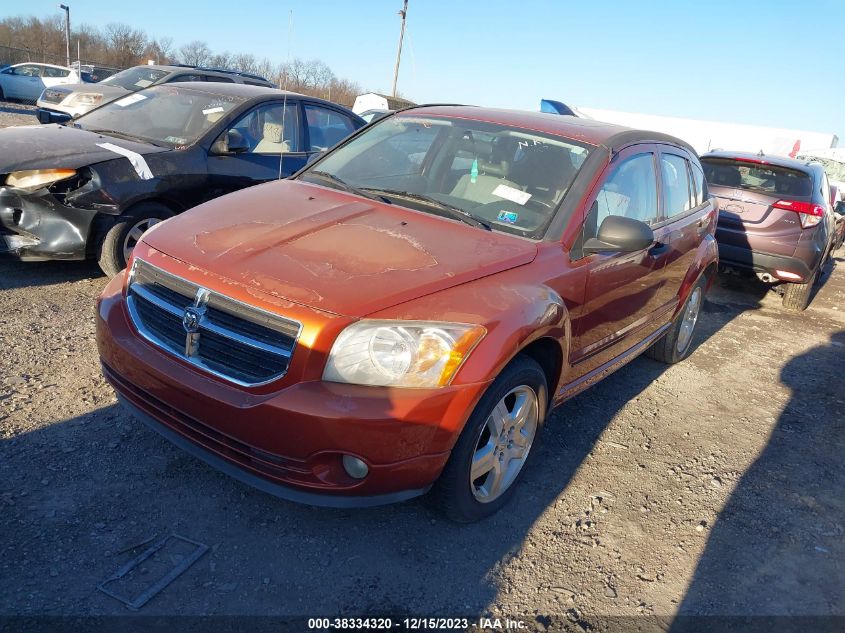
(213, 110)
(129, 100)
(508, 217)
(509, 193)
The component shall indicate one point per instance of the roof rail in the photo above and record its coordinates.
(430, 105)
(229, 71)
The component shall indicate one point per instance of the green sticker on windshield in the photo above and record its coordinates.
(473, 173)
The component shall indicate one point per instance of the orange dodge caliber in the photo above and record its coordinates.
(400, 316)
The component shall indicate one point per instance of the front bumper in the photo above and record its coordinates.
(287, 439)
(49, 115)
(36, 226)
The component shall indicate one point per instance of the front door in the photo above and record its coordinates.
(622, 293)
(272, 149)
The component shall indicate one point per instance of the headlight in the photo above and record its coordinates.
(85, 98)
(33, 179)
(401, 353)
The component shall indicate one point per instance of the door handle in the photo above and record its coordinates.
(658, 249)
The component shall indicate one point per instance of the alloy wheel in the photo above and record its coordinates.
(689, 320)
(134, 235)
(504, 443)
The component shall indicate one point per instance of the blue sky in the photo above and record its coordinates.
(768, 62)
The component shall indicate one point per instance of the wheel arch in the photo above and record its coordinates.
(103, 222)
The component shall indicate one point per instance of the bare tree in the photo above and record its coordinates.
(195, 53)
(126, 44)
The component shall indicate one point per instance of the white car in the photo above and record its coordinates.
(28, 81)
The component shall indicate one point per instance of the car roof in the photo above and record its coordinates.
(764, 159)
(243, 90)
(225, 89)
(42, 64)
(589, 131)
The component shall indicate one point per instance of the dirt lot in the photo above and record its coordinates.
(714, 486)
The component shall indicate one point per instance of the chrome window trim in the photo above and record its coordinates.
(195, 361)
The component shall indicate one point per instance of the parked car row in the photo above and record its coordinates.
(397, 308)
(61, 103)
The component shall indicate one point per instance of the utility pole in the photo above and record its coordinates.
(404, 14)
(66, 9)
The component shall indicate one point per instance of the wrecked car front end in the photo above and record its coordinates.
(54, 220)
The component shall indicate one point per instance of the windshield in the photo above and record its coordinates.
(489, 175)
(760, 177)
(165, 115)
(135, 78)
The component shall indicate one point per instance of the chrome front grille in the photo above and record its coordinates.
(228, 338)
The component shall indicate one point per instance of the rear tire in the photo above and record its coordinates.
(675, 345)
(521, 387)
(118, 242)
(796, 297)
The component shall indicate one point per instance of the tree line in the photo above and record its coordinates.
(121, 46)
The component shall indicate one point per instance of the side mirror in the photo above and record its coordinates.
(235, 142)
(621, 235)
(314, 156)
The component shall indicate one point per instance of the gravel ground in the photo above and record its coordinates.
(16, 114)
(710, 487)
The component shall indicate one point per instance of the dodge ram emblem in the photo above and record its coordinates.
(191, 320)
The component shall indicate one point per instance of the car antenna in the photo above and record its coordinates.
(285, 88)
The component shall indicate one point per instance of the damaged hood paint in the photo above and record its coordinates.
(331, 250)
(59, 147)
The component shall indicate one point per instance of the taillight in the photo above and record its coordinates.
(809, 213)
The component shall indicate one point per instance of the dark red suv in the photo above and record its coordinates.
(402, 314)
(775, 219)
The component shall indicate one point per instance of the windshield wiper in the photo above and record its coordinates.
(129, 137)
(347, 187)
(454, 212)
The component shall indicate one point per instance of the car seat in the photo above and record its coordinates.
(491, 173)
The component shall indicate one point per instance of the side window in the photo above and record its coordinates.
(180, 78)
(326, 127)
(269, 129)
(676, 190)
(219, 79)
(700, 185)
(27, 71)
(631, 191)
(47, 71)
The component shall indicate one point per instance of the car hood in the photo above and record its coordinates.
(59, 146)
(331, 250)
(108, 91)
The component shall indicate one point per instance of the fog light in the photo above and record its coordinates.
(354, 467)
(785, 274)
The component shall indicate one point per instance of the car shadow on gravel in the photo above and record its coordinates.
(111, 482)
(777, 546)
(7, 107)
(14, 274)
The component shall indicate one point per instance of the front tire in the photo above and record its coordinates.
(491, 453)
(119, 241)
(675, 345)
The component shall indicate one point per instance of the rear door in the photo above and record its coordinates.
(622, 299)
(685, 218)
(51, 76)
